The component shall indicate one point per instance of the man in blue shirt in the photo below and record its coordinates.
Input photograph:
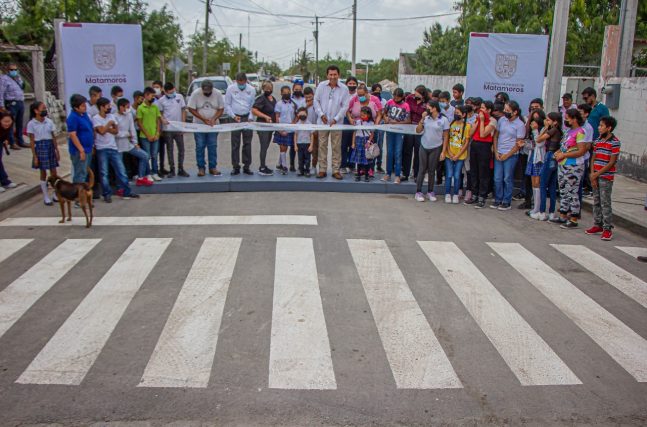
(12, 97)
(81, 138)
(599, 110)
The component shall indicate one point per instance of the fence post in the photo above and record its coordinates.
(38, 71)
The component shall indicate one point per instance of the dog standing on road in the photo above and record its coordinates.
(68, 192)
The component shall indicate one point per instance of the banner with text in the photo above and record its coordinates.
(103, 55)
(511, 63)
(278, 127)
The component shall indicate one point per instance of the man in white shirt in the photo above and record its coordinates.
(95, 93)
(173, 109)
(239, 100)
(206, 105)
(128, 144)
(105, 127)
(331, 103)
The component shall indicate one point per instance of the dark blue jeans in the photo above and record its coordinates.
(17, 110)
(208, 141)
(504, 179)
(4, 178)
(114, 158)
(548, 183)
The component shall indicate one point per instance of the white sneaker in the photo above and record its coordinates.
(2, 190)
(448, 198)
(11, 185)
(432, 197)
(552, 217)
(455, 199)
(420, 197)
(540, 216)
(156, 177)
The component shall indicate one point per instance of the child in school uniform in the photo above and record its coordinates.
(42, 136)
(360, 139)
(303, 143)
(285, 111)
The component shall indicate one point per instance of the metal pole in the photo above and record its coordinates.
(316, 34)
(206, 36)
(240, 49)
(557, 52)
(189, 70)
(628, 12)
(59, 60)
(367, 74)
(352, 64)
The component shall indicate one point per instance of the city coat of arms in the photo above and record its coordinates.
(105, 56)
(506, 65)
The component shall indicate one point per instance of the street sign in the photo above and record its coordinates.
(226, 66)
(176, 65)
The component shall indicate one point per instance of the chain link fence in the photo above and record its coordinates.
(576, 70)
(25, 69)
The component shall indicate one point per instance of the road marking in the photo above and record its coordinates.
(524, 351)
(617, 277)
(20, 295)
(621, 343)
(9, 247)
(165, 220)
(633, 251)
(299, 350)
(416, 358)
(186, 348)
(70, 353)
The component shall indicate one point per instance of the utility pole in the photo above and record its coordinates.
(557, 52)
(249, 40)
(352, 64)
(189, 54)
(315, 33)
(628, 12)
(240, 49)
(367, 62)
(206, 36)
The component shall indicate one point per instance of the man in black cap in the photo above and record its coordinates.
(567, 103)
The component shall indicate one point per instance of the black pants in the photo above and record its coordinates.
(246, 136)
(265, 137)
(481, 175)
(429, 161)
(304, 157)
(346, 146)
(410, 153)
(166, 145)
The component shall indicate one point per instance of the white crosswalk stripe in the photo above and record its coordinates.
(619, 278)
(525, 352)
(299, 350)
(120, 221)
(71, 352)
(417, 360)
(633, 251)
(20, 295)
(9, 247)
(186, 348)
(621, 343)
(300, 353)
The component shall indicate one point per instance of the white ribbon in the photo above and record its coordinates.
(257, 126)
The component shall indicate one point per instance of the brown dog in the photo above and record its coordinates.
(67, 192)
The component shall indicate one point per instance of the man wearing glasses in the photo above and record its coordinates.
(599, 110)
(12, 97)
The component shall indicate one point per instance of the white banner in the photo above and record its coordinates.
(103, 55)
(511, 63)
(230, 127)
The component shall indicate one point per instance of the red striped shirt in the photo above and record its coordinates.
(603, 150)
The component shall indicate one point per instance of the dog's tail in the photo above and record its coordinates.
(90, 178)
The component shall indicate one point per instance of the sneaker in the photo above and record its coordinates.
(107, 199)
(380, 170)
(505, 207)
(432, 197)
(367, 178)
(2, 190)
(448, 198)
(283, 171)
(265, 171)
(568, 225)
(495, 205)
(164, 172)
(480, 204)
(455, 199)
(183, 173)
(396, 180)
(594, 230)
(235, 171)
(307, 174)
(518, 196)
(48, 203)
(358, 178)
(557, 220)
(246, 171)
(344, 171)
(131, 196)
(171, 174)
(11, 185)
(419, 197)
(215, 172)
(607, 235)
(404, 178)
(120, 192)
(460, 194)
(292, 169)
(469, 195)
(539, 216)
(524, 205)
(386, 178)
(201, 172)
(552, 216)
(156, 177)
(371, 173)
(470, 200)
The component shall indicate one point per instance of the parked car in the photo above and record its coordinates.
(254, 80)
(219, 83)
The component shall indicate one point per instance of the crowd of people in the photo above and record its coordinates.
(481, 147)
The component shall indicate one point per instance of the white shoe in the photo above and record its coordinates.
(455, 199)
(448, 198)
(426, 180)
(11, 185)
(432, 197)
(420, 197)
(552, 217)
(540, 216)
(2, 190)
(156, 177)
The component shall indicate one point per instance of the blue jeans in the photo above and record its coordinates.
(453, 170)
(80, 167)
(210, 142)
(4, 178)
(394, 143)
(17, 111)
(504, 179)
(114, 157)
(142, 157)
(152, 148)
(548, 183)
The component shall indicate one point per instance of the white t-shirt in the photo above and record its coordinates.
(41, 130)
(171, 108)
(207, 106)
(433, 133)
(509, 133)
(107, 140)
(303, 136)
(92, 110)
(286, 111)
(126, 138)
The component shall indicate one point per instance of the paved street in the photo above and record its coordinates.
(304, 308)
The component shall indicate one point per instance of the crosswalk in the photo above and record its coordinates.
(300, 354)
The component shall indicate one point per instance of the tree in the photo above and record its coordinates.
(386, 69)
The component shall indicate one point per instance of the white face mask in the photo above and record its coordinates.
(158, 91)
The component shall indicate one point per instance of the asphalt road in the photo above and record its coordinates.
(344, 319)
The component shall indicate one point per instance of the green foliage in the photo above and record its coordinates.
(386, 69)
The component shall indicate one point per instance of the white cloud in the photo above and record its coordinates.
(277, 40)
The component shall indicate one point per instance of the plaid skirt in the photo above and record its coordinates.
(533, 169)
(46, 155)
(284, 140)
(359, 152)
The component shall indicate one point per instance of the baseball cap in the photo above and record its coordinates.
(567, 96)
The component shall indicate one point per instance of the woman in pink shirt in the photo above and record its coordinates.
(364, 99)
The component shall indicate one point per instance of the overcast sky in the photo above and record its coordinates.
(277, 38)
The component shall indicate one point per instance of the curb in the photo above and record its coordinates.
(622, 220)
(19, 194)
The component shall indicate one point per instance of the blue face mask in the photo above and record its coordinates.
(242, 87)
(362, 99)
(170, 95)
(13, 73)
(443, 105)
